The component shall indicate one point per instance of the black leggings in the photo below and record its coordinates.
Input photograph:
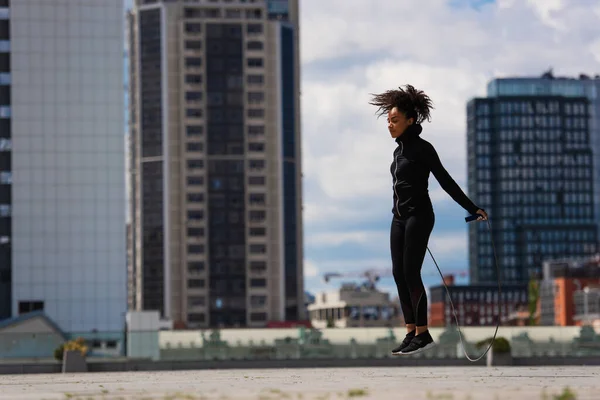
(408, 243)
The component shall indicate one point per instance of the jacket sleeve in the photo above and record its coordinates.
(446, 181)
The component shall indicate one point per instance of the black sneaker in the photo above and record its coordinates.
(409, 337)
(419, 343)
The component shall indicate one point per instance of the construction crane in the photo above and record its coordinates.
(373, 275)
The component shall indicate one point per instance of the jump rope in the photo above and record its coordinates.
(472, 218)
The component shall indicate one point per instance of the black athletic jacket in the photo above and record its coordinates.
(414, 159)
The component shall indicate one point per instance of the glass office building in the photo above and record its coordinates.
(531, 166)
(550, 85)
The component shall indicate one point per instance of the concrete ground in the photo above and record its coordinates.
(449, 383)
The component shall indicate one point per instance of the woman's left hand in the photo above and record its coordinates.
(482, 215)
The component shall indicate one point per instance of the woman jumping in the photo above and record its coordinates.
(413, 216)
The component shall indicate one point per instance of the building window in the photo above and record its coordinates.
(6, 177)
(195, 197)
(193, 45)
(5, 210)
(5, 112)
(258, 282)
(193, 96)
(195, 267)
(196, 215)
(255, 80)
(4, 46)
(194, 130)
(258, 266)
(195, 249)
(256, 147)
(254, 62)
(195, 180)
(258, 232)
(195, 147)
(5, 78)
(256, 97)
(257, 164)
(195, 283)
(254, 45)
(5, 144)
(256, 180)
(196, 301)
(257, 199)
(193, 62)
(233, 13)
(258, 317)
(254, 29)
(194, 112)
(257, 216)
(195, 232)
(258, 300)
(256, 130)
(195, 164)
(256, 113)
(193, 28)
(30, 306)
(193, 79)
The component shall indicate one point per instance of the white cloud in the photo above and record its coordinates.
(350, 49)
(310, 269)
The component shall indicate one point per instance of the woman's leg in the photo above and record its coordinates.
(397, 246)
(418, 230)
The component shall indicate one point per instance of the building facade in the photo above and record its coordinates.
(62, 189)
(216, 162)
(476, 305)
(564, 291)
(550, 85)
(354, 306)
(530, 166)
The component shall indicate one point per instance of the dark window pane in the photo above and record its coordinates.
(193, 62)
(254, 62)
(254, 45)
(254, 28)
(258, 147)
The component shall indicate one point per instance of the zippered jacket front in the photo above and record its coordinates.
(414, 159)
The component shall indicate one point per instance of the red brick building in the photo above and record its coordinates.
(475, 305)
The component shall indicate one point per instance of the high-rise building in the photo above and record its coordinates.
(550, 85)
(530, 164)
(216, 162)
(62, 189)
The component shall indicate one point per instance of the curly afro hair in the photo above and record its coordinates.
(410, 101)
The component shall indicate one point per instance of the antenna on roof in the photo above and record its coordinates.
(548, 74)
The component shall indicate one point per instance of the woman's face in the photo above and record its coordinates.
(397, 122)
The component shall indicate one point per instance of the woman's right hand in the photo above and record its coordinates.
(482, 215)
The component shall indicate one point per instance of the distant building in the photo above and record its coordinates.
(548, 84)
(62, 156)
(216, 190)
(564, 285)
(587, 305)
(354, 306)
(475, 305)
(530, 165)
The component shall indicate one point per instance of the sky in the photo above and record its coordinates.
(448, 48)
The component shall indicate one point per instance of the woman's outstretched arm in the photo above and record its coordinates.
(446, 181)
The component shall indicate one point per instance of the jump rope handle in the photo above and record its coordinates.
(472, 218)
